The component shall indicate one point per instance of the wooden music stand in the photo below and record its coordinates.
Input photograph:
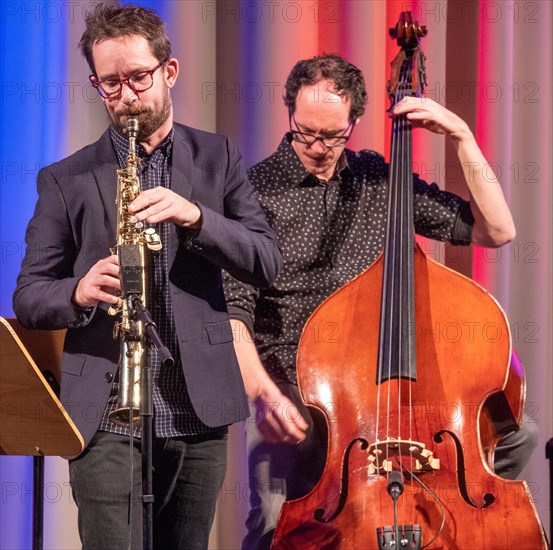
(33, 422)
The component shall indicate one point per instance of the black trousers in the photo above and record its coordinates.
(188, 475)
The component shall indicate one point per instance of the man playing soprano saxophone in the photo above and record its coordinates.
(196, 194)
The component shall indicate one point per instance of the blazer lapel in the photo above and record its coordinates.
(182, 180)
(182, 168)
(104, 172)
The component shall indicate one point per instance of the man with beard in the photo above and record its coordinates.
(196, 194)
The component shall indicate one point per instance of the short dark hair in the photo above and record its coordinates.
(108, 21)
(347, 79)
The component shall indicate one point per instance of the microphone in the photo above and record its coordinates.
(398, 536)
(395, 484)
(131, 269)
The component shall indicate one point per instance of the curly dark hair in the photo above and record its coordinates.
(108, 21)
(347, 78)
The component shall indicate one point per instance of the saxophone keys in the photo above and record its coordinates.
(133, 221)
(116, 331)
(152, 239)
(114, 309)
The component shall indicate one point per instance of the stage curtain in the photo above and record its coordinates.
(489, 61)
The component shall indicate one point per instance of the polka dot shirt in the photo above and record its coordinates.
(329, 232)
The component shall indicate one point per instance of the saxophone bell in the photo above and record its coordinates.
(128, 397)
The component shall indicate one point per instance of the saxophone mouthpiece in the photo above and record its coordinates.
(132, 126)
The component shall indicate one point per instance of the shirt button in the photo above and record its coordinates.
(109, 377)
(153, 165)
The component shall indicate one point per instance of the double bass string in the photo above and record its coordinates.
(390, 268)
(402, 194)
(393, 265)
(397, 289)
(403, 240)
(408, 233)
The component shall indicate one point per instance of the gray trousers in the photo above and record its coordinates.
(284, 472)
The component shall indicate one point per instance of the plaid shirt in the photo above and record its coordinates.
(173, 412)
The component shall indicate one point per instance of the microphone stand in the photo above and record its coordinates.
(549, 456)
(147, 414)
(132, 265)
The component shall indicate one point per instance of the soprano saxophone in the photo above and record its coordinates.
(131, 244)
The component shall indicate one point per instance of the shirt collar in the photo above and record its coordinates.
(121, 146)
(297, 173)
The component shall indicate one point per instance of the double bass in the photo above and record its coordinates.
(411, 437)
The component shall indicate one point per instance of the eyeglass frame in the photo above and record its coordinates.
(319, 138)
(98, 83)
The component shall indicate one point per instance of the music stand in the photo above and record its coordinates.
(33, 422)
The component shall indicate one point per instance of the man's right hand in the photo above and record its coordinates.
(100, 284)
(278, 419)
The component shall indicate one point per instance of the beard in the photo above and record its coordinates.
(149, 119)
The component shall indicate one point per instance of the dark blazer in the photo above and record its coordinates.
(74, 226)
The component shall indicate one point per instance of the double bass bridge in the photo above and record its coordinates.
(382, 453)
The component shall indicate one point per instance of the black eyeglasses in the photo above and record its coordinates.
(137, 82)
(327, 141)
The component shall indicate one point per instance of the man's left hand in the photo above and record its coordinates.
(163, 205)
(426, 113)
